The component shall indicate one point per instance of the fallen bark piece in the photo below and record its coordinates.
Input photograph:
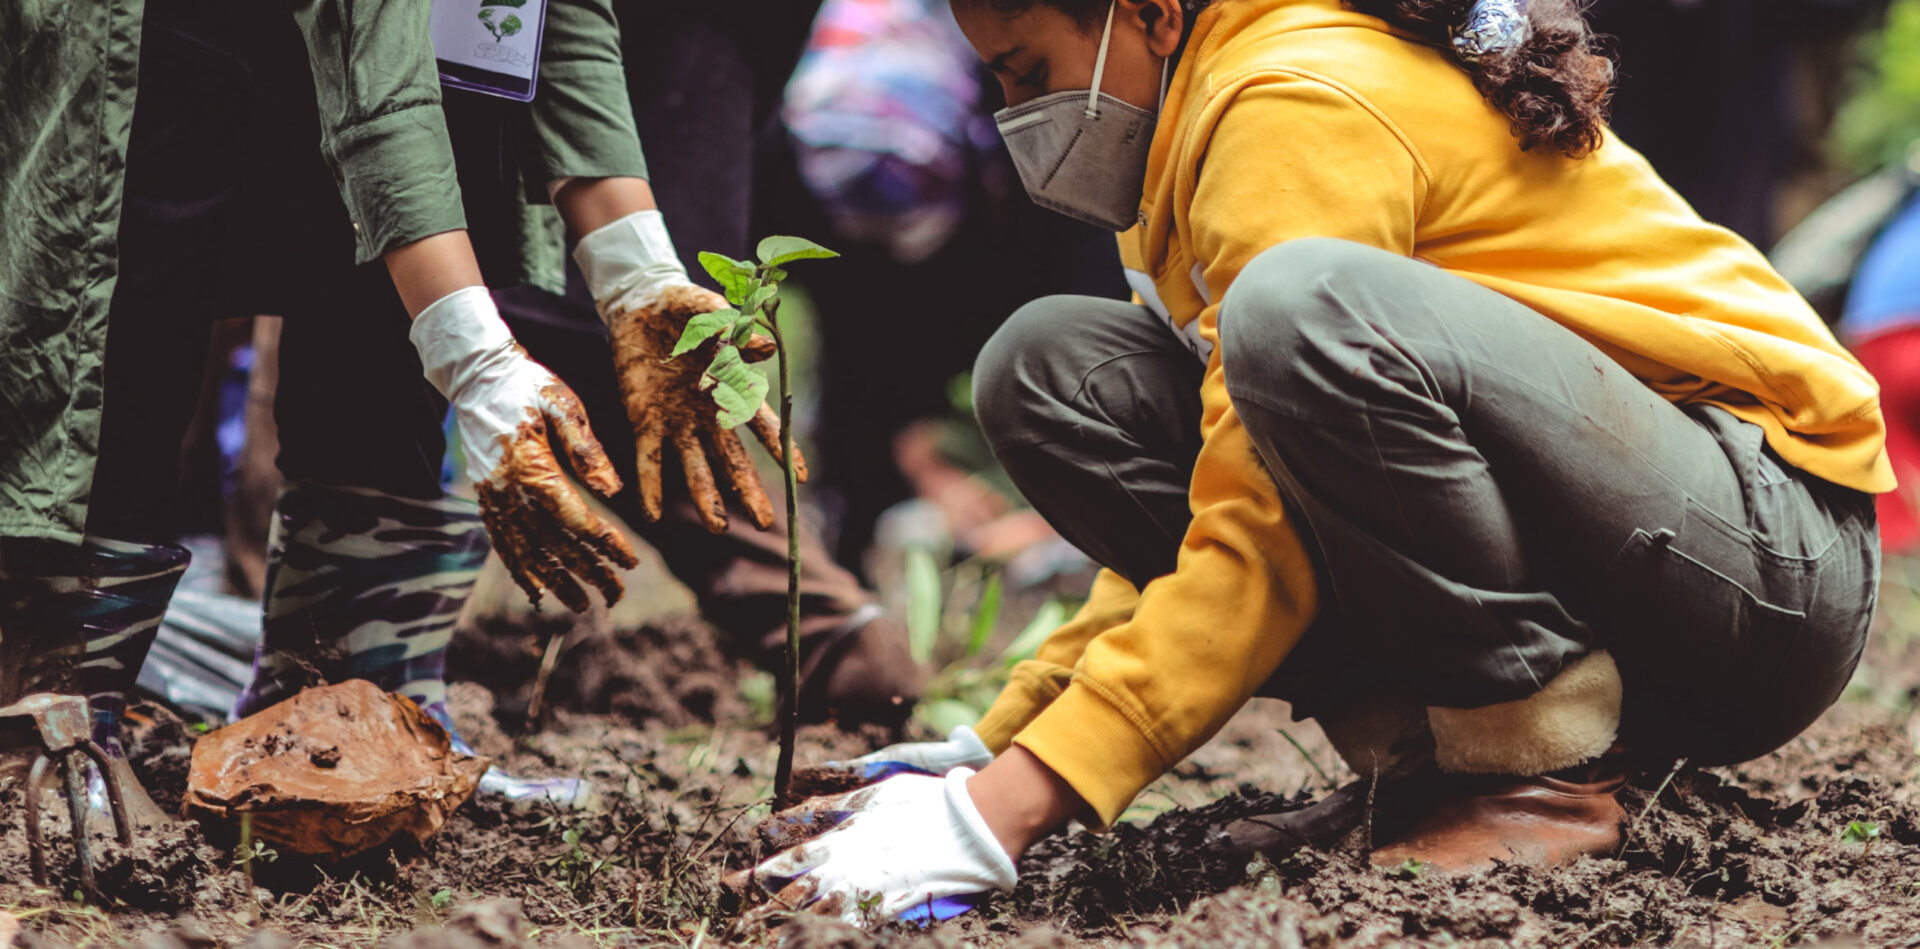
(331, 772)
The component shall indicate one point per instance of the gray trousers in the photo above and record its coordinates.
(1487, 497)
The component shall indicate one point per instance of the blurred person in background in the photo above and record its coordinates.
(1857, 257)
(889, 148)
(1881, 324)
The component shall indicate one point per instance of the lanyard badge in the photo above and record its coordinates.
(489, 46)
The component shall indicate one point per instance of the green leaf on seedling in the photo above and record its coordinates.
(777, 250)
(1859, 832)
(760, 297)
(704, 327)
(735, 387)
(984, 617)
(742, 332)
(442, 898)
(1047, 619)
(738, 278)
(923, 603)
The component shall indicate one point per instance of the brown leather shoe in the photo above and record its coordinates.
(1538, 821)
(1374, 809)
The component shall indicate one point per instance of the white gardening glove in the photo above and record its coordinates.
(645, 297)
(962, 749)
(912, 847)
(507, 407)
(631, 263)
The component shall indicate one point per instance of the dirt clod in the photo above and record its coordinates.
(817, 782)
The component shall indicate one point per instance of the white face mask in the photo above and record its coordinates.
(1083, 153)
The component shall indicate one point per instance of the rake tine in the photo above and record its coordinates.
(36, 844)
(116, 799)
(77, 806)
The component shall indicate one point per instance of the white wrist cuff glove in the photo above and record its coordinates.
(459, 337)
(468, 354)
(629, 261)
(962, 749)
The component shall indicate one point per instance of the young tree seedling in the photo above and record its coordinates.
(753, 287)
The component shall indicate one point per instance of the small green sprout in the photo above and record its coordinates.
(577, 866)
(1409, 869)
(1860, 832)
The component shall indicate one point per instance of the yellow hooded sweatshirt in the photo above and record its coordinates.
(1301, 118)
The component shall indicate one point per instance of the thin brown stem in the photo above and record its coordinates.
(790, 719)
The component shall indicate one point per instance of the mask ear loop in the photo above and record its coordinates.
(1166, 73)
(1100, 65)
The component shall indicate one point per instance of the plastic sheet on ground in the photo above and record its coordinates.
(203, 655)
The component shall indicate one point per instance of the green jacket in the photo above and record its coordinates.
(70, 71)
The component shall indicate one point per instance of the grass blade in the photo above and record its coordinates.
(1050, 616)
(923, 603)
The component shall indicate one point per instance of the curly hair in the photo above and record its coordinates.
(1553, 89)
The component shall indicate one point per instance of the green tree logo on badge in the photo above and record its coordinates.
(508, 25)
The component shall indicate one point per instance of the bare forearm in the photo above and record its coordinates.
(588, 204)
(429, 269)
(1022, 800)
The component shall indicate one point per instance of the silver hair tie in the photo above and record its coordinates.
(1493, 28)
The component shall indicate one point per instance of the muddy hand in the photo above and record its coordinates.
(510, 411)
(912, 847)
(962, 749)
(645, 297)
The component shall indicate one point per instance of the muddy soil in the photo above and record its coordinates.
(655, 717)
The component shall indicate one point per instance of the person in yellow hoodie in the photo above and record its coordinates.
(1440, 416)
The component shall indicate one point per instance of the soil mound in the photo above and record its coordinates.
(670, 670)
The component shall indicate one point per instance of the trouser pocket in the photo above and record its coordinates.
(1727, 647)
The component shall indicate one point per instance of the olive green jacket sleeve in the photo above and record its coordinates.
(382, 128)
(582, 119)
(385, 134)
(582, 127)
